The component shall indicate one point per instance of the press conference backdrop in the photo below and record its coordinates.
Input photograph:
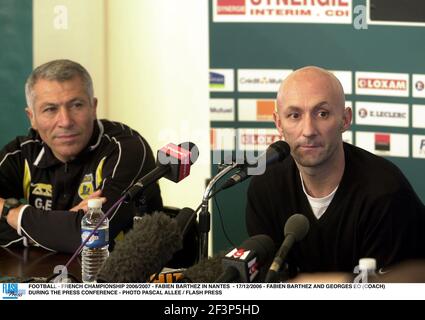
(256, 43)
(15, 65)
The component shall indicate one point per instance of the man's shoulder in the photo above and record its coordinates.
(374, 171)
(30, 142)
(117, 129)
(120, 132)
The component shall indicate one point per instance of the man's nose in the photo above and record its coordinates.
(64, 117)
(309, 126)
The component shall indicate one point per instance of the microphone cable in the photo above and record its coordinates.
(222, 224)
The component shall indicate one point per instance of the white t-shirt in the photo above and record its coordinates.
(319, 205)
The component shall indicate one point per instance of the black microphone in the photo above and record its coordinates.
(145, 250)
(276, 152)
(296, 228)
(172, 162)
(243, 264)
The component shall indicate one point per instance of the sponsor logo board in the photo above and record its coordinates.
(418, 146)
(261, 80)
(418, 85)
(256, 109)
(418, 116)
(221, 80)
(384, 144)
(222, 109)
(382, 114)
(382, 84)
(257, 138)
(291, 11)
(222, 138)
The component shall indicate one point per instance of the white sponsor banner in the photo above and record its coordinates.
(222, 109)
(290, 11)
(398, 144)
(256, 109)
(382, 114)
(418, 116)
(382, 84)
(418, 85)
(257, 138)
(221, 80)
(223, 138)
(345, 77)
(347, 136)
(418, 146)
(261, 80)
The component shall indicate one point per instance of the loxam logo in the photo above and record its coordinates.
(42, 189)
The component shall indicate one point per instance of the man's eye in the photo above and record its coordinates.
(49, 109)
(77, 104)
(294, 115)
(323, 114)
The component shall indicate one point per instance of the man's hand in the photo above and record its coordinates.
(12, 217)
(83, 205)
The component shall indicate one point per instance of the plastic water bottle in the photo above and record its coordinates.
(367, 270)
(95, 251)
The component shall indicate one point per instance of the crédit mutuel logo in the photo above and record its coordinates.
(11, 291)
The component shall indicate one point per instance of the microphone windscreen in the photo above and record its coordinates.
(205, 271)
(297, 225)
(145, 250)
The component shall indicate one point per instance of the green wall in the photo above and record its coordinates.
(15, 65)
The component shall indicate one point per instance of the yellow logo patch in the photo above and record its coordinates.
(42, 189)
(86, 187)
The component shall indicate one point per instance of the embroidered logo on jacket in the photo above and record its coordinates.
(86, 187)
(41, 189)
(41, 195)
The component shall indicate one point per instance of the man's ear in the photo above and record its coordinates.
(30, 115)
(346, 120)
(94, 108)
(278, 122)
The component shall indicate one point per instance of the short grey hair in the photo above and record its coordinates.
(58, 70)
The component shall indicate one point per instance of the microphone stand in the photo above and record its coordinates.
(204, 215)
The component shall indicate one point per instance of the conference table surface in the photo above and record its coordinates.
(24, 263)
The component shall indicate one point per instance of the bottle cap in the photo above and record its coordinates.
(367, 264)
(95, 203)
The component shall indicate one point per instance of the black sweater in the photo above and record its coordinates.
(374, 213)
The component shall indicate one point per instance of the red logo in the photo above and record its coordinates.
(231, 7)
(382, 141)
(239, 253)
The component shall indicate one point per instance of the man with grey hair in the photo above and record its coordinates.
(68, 157)
(358, 204)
